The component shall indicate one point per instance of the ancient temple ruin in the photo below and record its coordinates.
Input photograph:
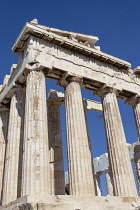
(31, 169)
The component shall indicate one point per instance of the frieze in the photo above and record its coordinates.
(81, 60)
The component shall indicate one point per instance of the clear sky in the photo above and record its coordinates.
(115, 22)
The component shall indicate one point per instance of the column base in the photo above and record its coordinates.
(69, 202)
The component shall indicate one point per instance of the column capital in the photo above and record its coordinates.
(98, 174)
(3, 107)
(68, 78)
(55, 98)
(107, 170)
(17, 87)
(35, 69)
(105, 89)
(137, 147)
(132, 101)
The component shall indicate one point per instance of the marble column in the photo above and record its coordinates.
(4, 119)
(136, 110)
(36, 171)
(96, 179)
(55, 146)
(109, 182)
(80, 162)
(86, 120)
(137, 162)
(98, 184)
(135, 103)
(14, 150)
(119, 160)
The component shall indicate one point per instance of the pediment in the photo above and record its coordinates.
(81, 43)
(33, 28)
(87, 40)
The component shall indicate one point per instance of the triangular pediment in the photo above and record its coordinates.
(33, 28)
(78, 37)
(81, 43)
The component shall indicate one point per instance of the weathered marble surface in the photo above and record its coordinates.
(72, 203)
(36, 50)
(73, 59)
(119, 160)
(4, 120)
(36, 170)
(137, 162)
(55, 146)
(79, 151)
(14, 150)
(109, 183)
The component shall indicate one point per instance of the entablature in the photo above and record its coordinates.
(38, 50)
(64, 39)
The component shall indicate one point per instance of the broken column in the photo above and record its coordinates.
(119, 160)
(137, 162)
(4, 119)
(80, 162)
(36, 171)
(98, 184)
(14, 149)
(55, 145)
(109, 182)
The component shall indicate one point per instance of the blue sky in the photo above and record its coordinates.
(116, 23)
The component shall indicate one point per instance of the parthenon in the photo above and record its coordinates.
(32, 172)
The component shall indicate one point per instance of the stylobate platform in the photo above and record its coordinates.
(68, 202)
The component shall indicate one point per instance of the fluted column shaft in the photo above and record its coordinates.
(14, 150)
(137, 162)
(135, 103)
(4, 119)
(136, 110)
(55, 149)
(123, 180)
(79, 152)
(36, 173)
(109, 183)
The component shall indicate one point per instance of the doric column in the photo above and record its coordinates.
(137, 162)
(55, 145)
(136, 109)
(135, 103)
(119, 160)
(4, 119)
(109, 182)
(36, 172)
(98, 184)
(79, 152)
(14, 150)
(96, 177)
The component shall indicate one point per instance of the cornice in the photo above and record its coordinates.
(45, 33)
